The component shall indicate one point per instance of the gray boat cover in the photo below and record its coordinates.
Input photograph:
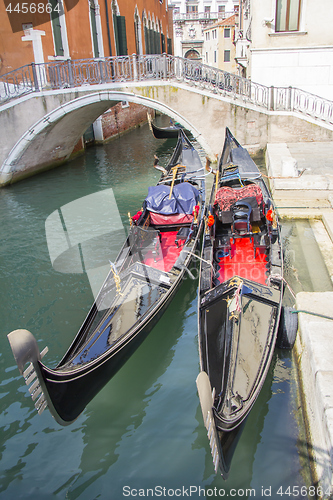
(183, 199)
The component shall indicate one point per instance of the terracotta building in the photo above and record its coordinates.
(56, 30)
(48, 30)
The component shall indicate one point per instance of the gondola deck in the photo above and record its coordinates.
(243, 260)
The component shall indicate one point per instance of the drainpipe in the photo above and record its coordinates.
(108, 26)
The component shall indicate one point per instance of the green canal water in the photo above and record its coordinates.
(143, 434)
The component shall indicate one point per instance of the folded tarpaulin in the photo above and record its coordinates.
(183, 199)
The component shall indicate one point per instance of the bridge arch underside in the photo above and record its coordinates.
(50, 141)
(28, 146)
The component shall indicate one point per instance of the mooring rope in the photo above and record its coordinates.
(312, 313)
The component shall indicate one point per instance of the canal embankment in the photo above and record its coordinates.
(301, 180)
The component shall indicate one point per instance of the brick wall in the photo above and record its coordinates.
(122, 117)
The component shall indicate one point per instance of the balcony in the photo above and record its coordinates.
(201, 16)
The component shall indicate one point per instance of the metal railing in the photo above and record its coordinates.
(201, 16)
(76, 73)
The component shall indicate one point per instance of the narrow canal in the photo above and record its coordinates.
(143, 434)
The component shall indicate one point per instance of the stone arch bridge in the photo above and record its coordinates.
(45, 109)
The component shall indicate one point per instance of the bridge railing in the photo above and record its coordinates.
(75, 73)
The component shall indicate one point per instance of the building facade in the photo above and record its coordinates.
(219, 48)
(287, 43)
(51, 30)
(191, 17)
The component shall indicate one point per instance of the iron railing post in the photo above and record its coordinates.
(135, 71)
(101, 71)
(290, 106)
(271, 98)
(70, 73)
(34, 75)
(165, 69)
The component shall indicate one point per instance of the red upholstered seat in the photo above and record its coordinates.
(227, 196)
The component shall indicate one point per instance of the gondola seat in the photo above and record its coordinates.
(241, 215)
(171, 207)
(226, 197)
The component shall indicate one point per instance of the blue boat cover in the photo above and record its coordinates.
(183, 199)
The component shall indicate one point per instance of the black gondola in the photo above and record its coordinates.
(163, 132)
(240, 298)
(141, 283)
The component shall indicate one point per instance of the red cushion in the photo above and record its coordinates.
(161, 220)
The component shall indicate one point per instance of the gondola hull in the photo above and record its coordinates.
(240, 299)
(72, 391)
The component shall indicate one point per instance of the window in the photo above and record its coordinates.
(191, 9)
(221, 11)
(287, 15)
(226, 32)
(214, 56)
(207, 57)
(94, 28)
(227, 56)
(119, 26)
(56, 27)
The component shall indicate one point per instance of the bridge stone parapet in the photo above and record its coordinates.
(41, 128)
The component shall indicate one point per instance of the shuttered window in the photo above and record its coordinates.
(93, 28)
(169, 43)
(56, 27)
(119, 25)
(146, 40)
(158, 42)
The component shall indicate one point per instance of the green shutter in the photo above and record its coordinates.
(157, 43)
(121, 35)
(169, 46)
(163, 43)
(56, 27)
(151, 42)
(146, 40)
(94, 28)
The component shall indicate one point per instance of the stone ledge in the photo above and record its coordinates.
(314, 350)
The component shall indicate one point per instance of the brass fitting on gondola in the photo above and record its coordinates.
(116, 278)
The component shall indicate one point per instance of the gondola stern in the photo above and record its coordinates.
(26, 352)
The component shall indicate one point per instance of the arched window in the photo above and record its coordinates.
(145, 31)
(138, 32)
